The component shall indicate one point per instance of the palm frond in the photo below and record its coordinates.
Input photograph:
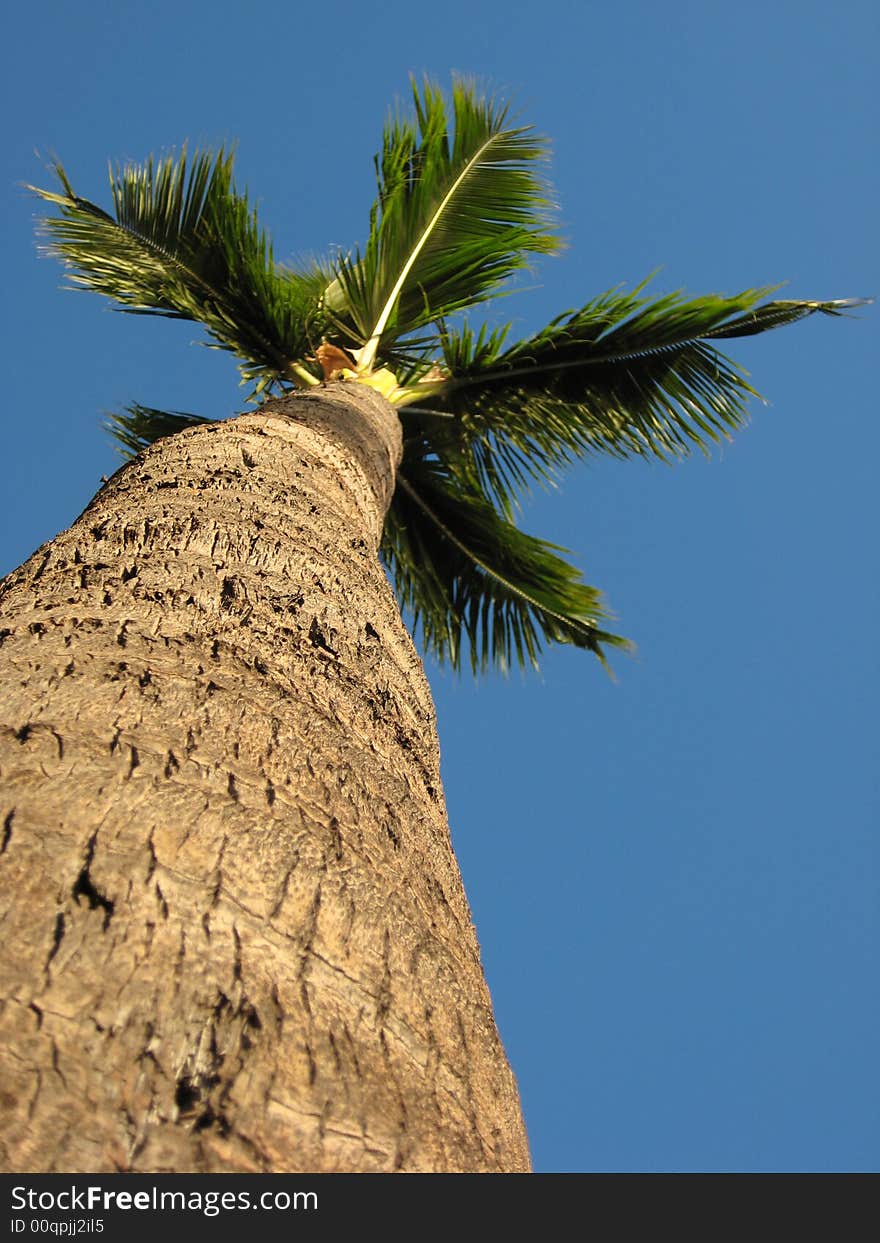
(459, 210)
(183, 243)
(139, 426)
(624, 375)
(468, 575)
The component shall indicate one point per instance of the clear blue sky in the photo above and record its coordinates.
(674, 877)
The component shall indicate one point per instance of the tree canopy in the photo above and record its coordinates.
(462, 207)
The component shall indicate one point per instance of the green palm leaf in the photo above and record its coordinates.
(459, 209)
(467, 574)
(139, 426)
(624, 375)
(183, 243)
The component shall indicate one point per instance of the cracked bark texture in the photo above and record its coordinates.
(235, 935)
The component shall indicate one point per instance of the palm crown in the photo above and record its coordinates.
(461, 208)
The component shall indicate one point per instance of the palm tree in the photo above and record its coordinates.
(237, 937)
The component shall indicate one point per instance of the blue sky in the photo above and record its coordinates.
(674, 876)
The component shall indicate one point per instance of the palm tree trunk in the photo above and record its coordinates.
(235, 935)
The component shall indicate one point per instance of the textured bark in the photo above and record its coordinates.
(234, 932)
